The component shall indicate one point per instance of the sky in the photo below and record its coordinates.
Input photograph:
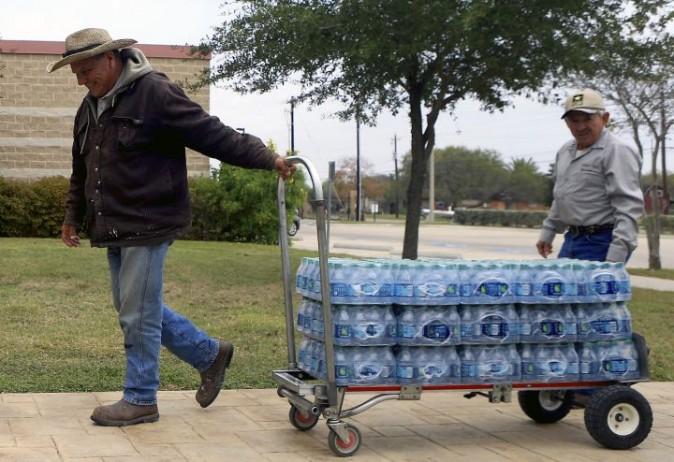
(528, 129)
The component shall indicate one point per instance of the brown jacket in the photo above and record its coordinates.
(129, 179)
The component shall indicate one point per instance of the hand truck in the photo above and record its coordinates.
(616, 415)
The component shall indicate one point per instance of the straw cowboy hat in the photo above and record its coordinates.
(86, 43)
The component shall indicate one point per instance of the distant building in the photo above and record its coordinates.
(37, 109)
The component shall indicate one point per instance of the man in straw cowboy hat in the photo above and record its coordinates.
(129, 186)
(597, 197)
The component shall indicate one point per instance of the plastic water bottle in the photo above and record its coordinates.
(489, 324)
(364, 283)
(618, 360)
(523, 288)
(603, 321)
(407, 366)
(304, 354)
(403, 289)
(339, 282)
(373, 325)
(301, 278)
(341, 319)
(452, 282)
(467, 287)
(317, 323)
(579, 278)
(623, 278)
(308, 319)
(467, 356)
(588, 362)
(549, 363)
(547, 323)
(343, 366)
(301, 313)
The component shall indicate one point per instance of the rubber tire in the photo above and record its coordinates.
(300, 421)
(530, 403)
(597, 412)
(337, 445)
(292, 229)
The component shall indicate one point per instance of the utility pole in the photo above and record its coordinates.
(357, 168)
(663, 125)
(395, 166)
(292, 126)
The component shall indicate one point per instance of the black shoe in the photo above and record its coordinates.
(213, 377)
(123, 413)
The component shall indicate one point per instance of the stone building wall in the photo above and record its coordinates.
(37, 109)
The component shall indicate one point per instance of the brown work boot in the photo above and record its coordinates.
(123, 413)
(213, 377)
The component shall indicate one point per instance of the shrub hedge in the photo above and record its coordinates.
(235, 205)
(525, 219)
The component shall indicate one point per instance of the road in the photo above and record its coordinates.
(451, 241)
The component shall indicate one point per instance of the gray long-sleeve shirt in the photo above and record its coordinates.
(598, 187)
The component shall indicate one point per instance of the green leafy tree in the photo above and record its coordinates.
(418, 56)
(525, 183)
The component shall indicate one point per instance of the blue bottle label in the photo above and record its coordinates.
(552, 288)
(339, 289)
(468, 370)
(407, 330)
(494, 326)
(342, 372)
(616, 366)
(493, 289)
(436, 331)
(605, 326)
(403, 290)
(523, 289)
(552, 328)
(452, 290)
(342, 331)
(605, 284)
(405, 372)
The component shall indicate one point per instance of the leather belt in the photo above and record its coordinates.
(591, 229)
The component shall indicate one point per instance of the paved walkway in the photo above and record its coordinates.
(252, 425)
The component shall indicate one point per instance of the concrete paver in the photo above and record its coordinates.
(252, 425)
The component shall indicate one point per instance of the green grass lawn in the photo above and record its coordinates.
(661, 273)
(58, 329)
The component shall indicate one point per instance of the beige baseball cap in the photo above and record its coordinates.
(587, 100)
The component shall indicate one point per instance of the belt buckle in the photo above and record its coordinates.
(592, 229)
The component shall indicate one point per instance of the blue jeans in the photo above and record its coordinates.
(586, 246)
(147, 323)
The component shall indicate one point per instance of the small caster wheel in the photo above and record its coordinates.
(618, 417)
(346, 448)
(300, 420)
(279, 392)
(545, 406)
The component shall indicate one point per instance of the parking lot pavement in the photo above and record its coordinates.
(252, 425)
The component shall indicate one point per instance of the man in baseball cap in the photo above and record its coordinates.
(597, 198)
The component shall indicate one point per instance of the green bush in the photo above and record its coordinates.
(235, 205)
(489, 217)
(32, 209)
(240, 205)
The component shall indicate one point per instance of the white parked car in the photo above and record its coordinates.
(449, 214)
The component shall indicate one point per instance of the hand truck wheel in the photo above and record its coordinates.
(300, 420)
(545, 406)
(618, 417)
(346, 448)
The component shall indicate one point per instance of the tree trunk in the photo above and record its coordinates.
(417, 177)
(653, 221)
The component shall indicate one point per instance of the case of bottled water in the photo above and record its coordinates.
(428, 365)
(618, 360)
(553, 282)
(490, 363)
(606, 282)
(547, 323)
(364, 325)
(603, 321)
(488, 324)
(374, 365)
(549, 363)
(428, 325)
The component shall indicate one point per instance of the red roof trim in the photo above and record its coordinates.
(57, 48)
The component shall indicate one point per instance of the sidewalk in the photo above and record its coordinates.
(252, 425)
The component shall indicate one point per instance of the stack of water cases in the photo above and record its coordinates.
(471, 322)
